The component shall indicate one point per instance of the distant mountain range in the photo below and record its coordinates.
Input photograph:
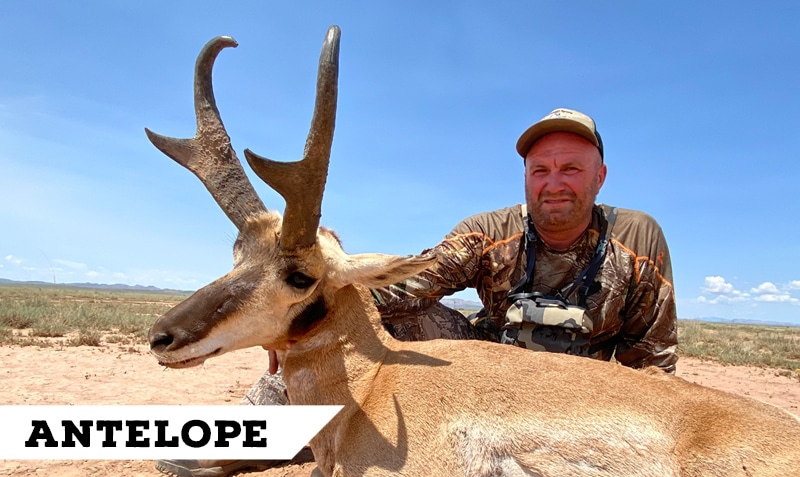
(739, 321)
(459, 304)
(96, 286)
(455, 303)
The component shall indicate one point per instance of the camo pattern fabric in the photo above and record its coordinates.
(435, 322)
(268, 390)
(547, 327)
(554, 339)
(526, 310)
(631, 303)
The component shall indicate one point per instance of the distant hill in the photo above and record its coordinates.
(455, 303)
(459, 304)
(739, 321)
(96, 286)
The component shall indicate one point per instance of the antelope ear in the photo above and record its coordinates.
(375, 270)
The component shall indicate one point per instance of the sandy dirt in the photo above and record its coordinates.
(124, 374)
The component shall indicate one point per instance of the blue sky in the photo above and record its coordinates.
(697, 103)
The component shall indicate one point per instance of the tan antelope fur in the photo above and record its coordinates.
(435, 408)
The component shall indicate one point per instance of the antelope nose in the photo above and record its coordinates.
(160, 340)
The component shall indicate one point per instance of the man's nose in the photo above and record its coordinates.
(554, 182)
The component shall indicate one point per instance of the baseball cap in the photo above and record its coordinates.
(560, 120)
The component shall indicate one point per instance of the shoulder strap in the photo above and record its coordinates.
(524, 286)
(586, 278)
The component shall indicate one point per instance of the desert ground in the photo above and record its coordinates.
(127, 374)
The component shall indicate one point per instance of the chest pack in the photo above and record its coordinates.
(552, 322)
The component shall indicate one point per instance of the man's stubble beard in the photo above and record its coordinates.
(564, 219)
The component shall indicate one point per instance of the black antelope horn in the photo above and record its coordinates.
(302, 183)
(209, 154)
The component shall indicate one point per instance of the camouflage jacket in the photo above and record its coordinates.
(632, 309)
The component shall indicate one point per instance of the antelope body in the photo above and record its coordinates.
(435, 408)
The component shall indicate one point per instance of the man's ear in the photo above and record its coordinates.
(601, 176)
(376, 270)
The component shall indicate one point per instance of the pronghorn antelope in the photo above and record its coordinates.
(436, 408)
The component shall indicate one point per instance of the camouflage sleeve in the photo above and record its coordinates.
(459, 256)
(649, 336)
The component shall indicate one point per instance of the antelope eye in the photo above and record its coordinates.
(300, 280)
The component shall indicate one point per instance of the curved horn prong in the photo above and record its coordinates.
(209, 155)
(302, 183)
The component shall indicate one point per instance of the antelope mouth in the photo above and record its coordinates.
(191, 362)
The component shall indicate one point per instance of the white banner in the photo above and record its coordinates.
(159, 432)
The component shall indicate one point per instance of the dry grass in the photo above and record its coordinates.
(67, 316)
(38, 315)
(746, 345)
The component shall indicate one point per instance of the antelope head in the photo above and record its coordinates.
(286, 269)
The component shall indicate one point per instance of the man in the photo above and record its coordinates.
(631, 303)
(601, 282)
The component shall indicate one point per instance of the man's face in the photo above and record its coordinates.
(563, 174)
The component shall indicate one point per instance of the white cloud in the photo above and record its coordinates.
(13, 259)
(722, 299)
(71, 264)
(717, 290)
(776, 298)
(718, 285)
(765, 288)
(769, 292)
(722, 291)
